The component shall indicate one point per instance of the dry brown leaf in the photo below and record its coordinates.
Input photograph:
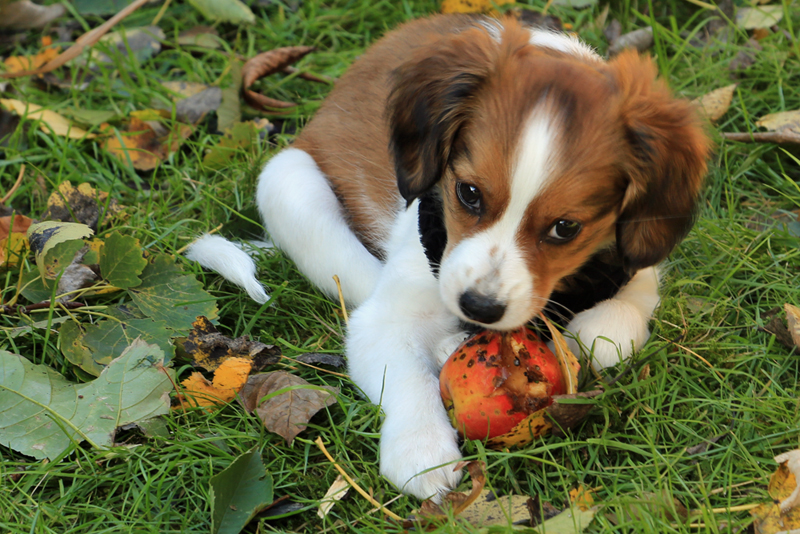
(82, 204)
(715, 104)
(147, 142)
(25, 15)
(472, 6)
(336, 492)
(88, 39)
(768, 517)
(265, 64)
(229, 378)
(289, 404)
(49, 121)
(793, 318)
(207, 348)
(457, 501)
(784, 121)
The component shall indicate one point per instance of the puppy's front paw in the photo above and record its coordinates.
(418, 458)
(620, 322)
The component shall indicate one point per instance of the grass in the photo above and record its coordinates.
(726, 378)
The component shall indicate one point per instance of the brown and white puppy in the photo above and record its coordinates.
(469, 171)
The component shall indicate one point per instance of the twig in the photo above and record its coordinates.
(308, 76)
(341, 375)
(779, 138)
(341, 299)
(15, 186)
(355, 486)
(86, 40)
(14, 308)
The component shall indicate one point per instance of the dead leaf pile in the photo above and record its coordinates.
(209, 349)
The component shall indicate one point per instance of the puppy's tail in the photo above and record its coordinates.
(230, 261)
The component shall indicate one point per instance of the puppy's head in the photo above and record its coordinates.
(540, 157)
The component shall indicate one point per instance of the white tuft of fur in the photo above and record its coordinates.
(230, 261)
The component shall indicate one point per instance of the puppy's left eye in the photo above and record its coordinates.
(564, 230)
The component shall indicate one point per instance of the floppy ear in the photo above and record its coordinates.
(666, 167)
(431, 100)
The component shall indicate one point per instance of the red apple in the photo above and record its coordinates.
(494, 380)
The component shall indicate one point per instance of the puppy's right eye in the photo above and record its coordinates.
(469, 196)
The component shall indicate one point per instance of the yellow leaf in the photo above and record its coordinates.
(782, 487)
(581, 497)
(793, 319)
(472, 6)
(715, 104)
(536, 424)
(228, 380)
(49, 121)
(782, 121)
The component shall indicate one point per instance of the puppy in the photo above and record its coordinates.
(468, 171)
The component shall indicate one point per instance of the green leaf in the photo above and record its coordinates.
(232, 11)
(42, 414)
(35, 288)
(240, 137)
(91, 347)
(45, 236)
(100, 7)
(121, 261)
(229, 112)
(168, 294)
(239, 492)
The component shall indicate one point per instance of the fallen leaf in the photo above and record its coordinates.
(661, 503)
(138, 43)
(202, 36)
(567, 522)
(582, 497)
(566, 414)
(239, 138)
(781, 515)
(715, 104)
(472, 6)
(49, 121)
(13, 239)
(746, 56)
(168, 294)
(239, 492)
(265, 64)
(229, 378)
(641, 40)
(456, 502)
(45, 237)
(25, 15)
(781, 122)
(749, 18)
(82, 204)
(335, 493)
(43, 415)
(122, 261)
(21, 63)
(147, 143)
(193, 109)
(92, 117)
(75, 277)
(207, 348)
(488, 510)
(793, 318)
(285, 402)
(232, 11)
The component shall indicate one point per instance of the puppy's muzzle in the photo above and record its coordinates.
(481, 308)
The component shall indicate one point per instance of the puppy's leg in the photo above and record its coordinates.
(304, 218)
(622, 319)
(393, 347)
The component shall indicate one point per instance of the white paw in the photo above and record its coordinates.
(611, 331)
(419, 458)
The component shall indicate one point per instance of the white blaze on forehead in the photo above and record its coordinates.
(491, 262)
(563, 43)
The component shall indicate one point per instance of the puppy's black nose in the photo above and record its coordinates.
(481, 308)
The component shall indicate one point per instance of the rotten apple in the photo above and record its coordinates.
(494, 380)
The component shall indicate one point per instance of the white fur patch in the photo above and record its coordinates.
(616, 327)
(491, 263)
(230, 261)
(304, 218)
(563, 43)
